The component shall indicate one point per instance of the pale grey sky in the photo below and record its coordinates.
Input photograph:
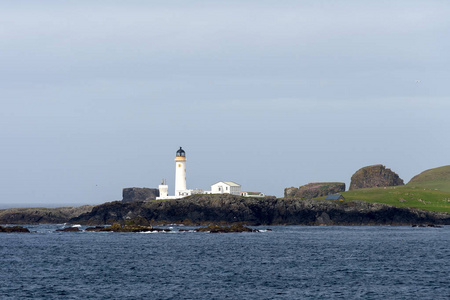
(98, 95)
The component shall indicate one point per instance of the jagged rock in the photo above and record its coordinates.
(290, 192)
(316, 189)
(13, 229)
(135, 194)
(374, 176)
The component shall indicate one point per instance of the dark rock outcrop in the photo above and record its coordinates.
(96, 228)
(225, 229)
(13, 229)
(316, 189)
(69, 229)
(290, 192)
(135, 194)
(374, 176)
(116, 227)
(213, 209)
(41, 215)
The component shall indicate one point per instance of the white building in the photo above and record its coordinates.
(163, 190)
(221, 187)
(226, 187)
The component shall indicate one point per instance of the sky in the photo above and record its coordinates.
(97, 96)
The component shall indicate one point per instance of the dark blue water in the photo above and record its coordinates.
(290, 262)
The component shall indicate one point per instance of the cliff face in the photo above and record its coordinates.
(200, 209)
(135, 194)
(374, 176)
(313, 190)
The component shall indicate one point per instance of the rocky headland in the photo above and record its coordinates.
(374, 176)
(41, 215)
(228, 209)
(315, 189)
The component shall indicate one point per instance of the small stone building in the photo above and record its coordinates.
(336, 197)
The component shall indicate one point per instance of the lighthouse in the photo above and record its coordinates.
(180, 173)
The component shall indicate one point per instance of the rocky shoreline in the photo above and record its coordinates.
(228, 209)
(116, 227)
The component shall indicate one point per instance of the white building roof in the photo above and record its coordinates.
(230, 183)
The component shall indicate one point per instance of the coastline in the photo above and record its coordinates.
(200, 210)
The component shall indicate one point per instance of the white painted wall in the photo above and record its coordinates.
(180, 177)
(235, 190)
(224, 188)
(163, 190)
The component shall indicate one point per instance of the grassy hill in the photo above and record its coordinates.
(436, 179)
(430, 190)
(404, 196)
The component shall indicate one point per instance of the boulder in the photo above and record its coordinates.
(374, 176)
(316, 189)
(135, 194)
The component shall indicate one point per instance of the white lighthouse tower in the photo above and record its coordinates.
(180, 174)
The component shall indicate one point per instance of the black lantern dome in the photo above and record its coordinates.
(181, 152)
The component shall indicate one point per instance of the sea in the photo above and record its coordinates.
(285, 262)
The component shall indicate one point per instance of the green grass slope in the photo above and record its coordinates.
(430, 190)
(436, 179)
(404, 196)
